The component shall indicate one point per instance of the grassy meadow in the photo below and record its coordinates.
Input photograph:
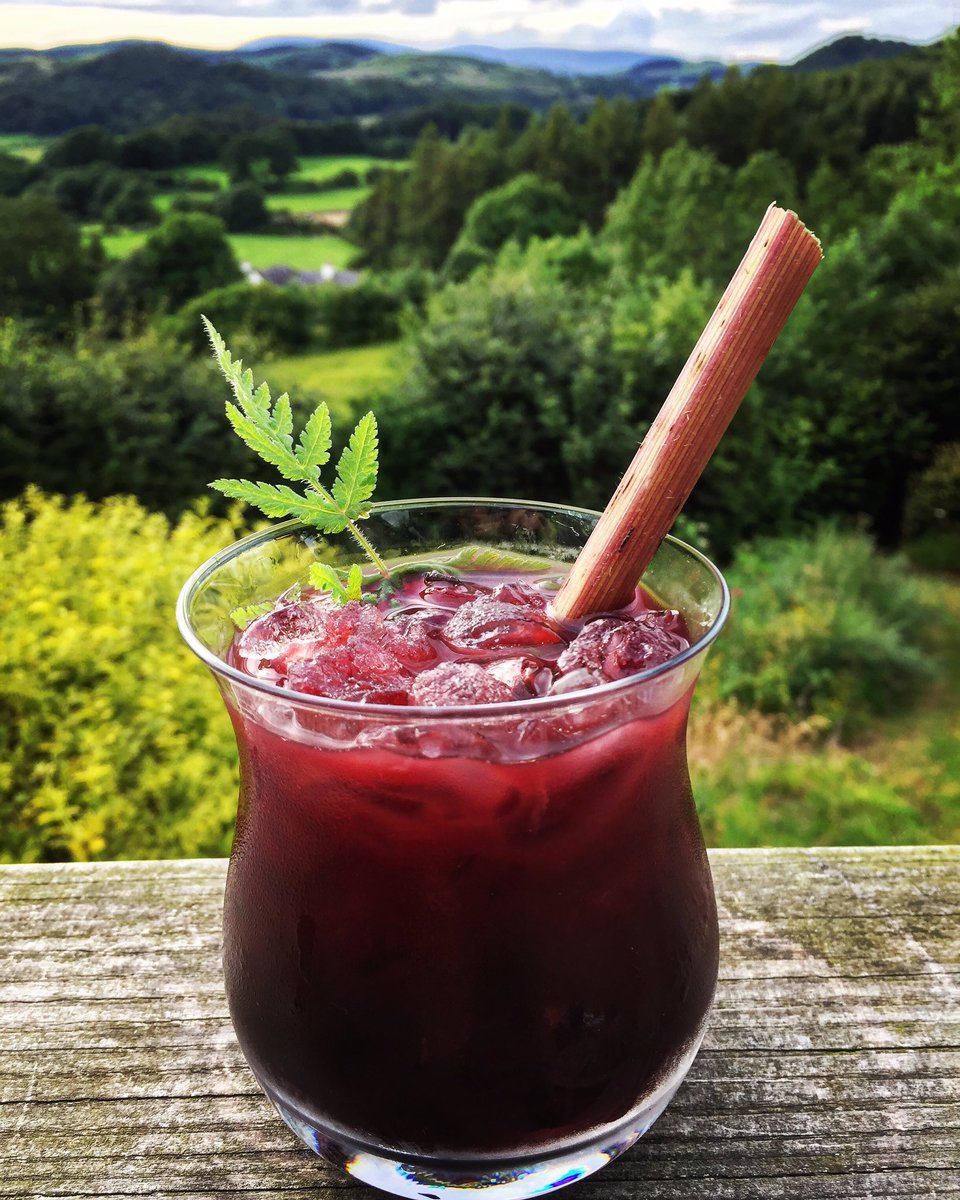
(345, 378)
(333, 200)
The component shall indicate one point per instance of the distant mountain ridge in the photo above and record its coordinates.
(117, 84)
(849, 50)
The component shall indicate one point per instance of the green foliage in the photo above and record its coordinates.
(45, 271)
(525, 208)
(83, 145)
(373, 310)
(188, 255)
(281, 319)
(242, 208)
(770, 793)
(131, 204)
(514, 389)
(265, 156)
(343, 588)
(267, 428)
(824, 626)
(16, 174)
(933, 510)
(935, 497)
(136, 417)
(112, 742)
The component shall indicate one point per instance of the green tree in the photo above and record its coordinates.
(137, 417)
(45, 271)
(16, 174)
(242, 208)
(130, 204)
(522, 209)
(148, 150)
(81, 146)
(514, 389)
(660, 127)
(267, 156)
(666, 219)
(189, 254)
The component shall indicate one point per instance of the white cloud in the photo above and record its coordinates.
(725, 29)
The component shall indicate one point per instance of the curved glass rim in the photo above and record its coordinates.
(416, 712)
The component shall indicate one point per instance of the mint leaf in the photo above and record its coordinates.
(267, 428)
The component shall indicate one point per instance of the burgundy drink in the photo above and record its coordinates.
(470, 945)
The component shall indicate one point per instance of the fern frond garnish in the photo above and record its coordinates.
(267, 428)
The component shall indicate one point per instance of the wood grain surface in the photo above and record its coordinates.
(831, 1067)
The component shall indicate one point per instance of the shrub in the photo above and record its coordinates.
(760, 785)
(824, 625)
(136, 417)
(112, 742)
(281, 320)
(188, 255)
(934, 499)
(242, 208)
(514, 389)
(372, 311)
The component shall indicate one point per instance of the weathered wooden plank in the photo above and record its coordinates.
(831, 1068)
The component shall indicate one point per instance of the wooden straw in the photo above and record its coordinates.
(737, 338)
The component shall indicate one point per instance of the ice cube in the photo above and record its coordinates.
(525, 676)
(458, 683)
(615, 646)
(359, 670)
(488, 624)
(518, 592)
(413, 636)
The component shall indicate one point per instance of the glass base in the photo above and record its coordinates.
(507, 1178)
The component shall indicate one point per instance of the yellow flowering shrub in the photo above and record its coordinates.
(114, 742)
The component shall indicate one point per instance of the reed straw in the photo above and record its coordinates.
(761, 295)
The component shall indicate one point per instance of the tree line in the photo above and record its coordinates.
(818, 123)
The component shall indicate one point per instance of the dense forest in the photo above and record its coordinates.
(541, 272)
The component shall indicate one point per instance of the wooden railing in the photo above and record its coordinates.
(831, 1068)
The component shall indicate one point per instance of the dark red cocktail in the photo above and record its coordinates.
(468, 945)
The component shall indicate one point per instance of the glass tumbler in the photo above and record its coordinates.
(471, 947)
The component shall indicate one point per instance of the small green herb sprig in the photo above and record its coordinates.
(267, 428)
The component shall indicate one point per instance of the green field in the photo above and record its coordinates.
(203, 173)
(307, 252)
(318, 168)
(346, 378)
(337, 200)
(313, 169)
(27, 145)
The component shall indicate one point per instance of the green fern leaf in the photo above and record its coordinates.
(357, 468)
(264, 442)
(281, 501)
(282, 420)
(269, 434)
(313, 449)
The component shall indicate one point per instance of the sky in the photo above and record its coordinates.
(731, 30)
